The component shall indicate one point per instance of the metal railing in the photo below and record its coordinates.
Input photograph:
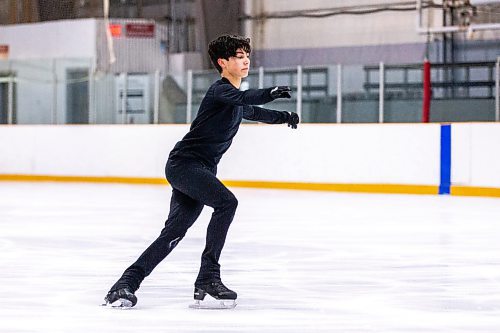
(458, 80)
(383, 84)
(53, 92)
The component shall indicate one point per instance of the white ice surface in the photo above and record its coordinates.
(300, 262)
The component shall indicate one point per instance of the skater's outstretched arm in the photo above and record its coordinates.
(268, 116)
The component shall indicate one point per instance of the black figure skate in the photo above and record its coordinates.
(224, 297)
(120, 298)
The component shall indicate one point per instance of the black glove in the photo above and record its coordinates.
(280, 92)
(293, 120)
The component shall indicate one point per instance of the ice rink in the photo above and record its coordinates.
(300, 262)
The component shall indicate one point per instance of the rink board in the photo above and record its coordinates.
(379, 158)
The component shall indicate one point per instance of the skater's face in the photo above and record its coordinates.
(236, 66)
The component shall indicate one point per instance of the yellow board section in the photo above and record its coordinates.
(84, 179)
(365, 188)
(359, 188)
(475, 191)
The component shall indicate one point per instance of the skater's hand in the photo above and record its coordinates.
(280, 92)
(293, 120)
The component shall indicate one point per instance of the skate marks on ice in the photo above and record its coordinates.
(333, 263)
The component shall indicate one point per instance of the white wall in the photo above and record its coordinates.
(38, 52)
(387, 36)
(334, 31)
(36, 79)
(406, 154)
(55, 39)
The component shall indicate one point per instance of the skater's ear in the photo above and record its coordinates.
(222, 63)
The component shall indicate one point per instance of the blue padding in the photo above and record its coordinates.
(445, 182)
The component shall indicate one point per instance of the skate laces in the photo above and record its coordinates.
(220, 287)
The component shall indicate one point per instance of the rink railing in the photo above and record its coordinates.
(70, 91)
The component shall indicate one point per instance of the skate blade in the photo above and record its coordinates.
(214, 304)
(119, 304)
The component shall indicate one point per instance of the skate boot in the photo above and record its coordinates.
(120, 298)
(225, 297)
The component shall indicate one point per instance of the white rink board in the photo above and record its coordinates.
(476, 154)
(352, 154)
(103, 150)
(394, 154)
(316, 153)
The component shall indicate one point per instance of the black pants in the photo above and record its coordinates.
(194, 185)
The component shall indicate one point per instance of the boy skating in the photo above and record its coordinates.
(191, 171)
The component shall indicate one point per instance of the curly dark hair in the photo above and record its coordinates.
(225, 46)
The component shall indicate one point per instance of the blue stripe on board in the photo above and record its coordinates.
(445, 181)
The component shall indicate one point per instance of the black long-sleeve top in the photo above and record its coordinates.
(219, 118)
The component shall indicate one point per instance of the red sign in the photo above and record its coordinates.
(116, 30)
(138, 30)
(4, 51)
